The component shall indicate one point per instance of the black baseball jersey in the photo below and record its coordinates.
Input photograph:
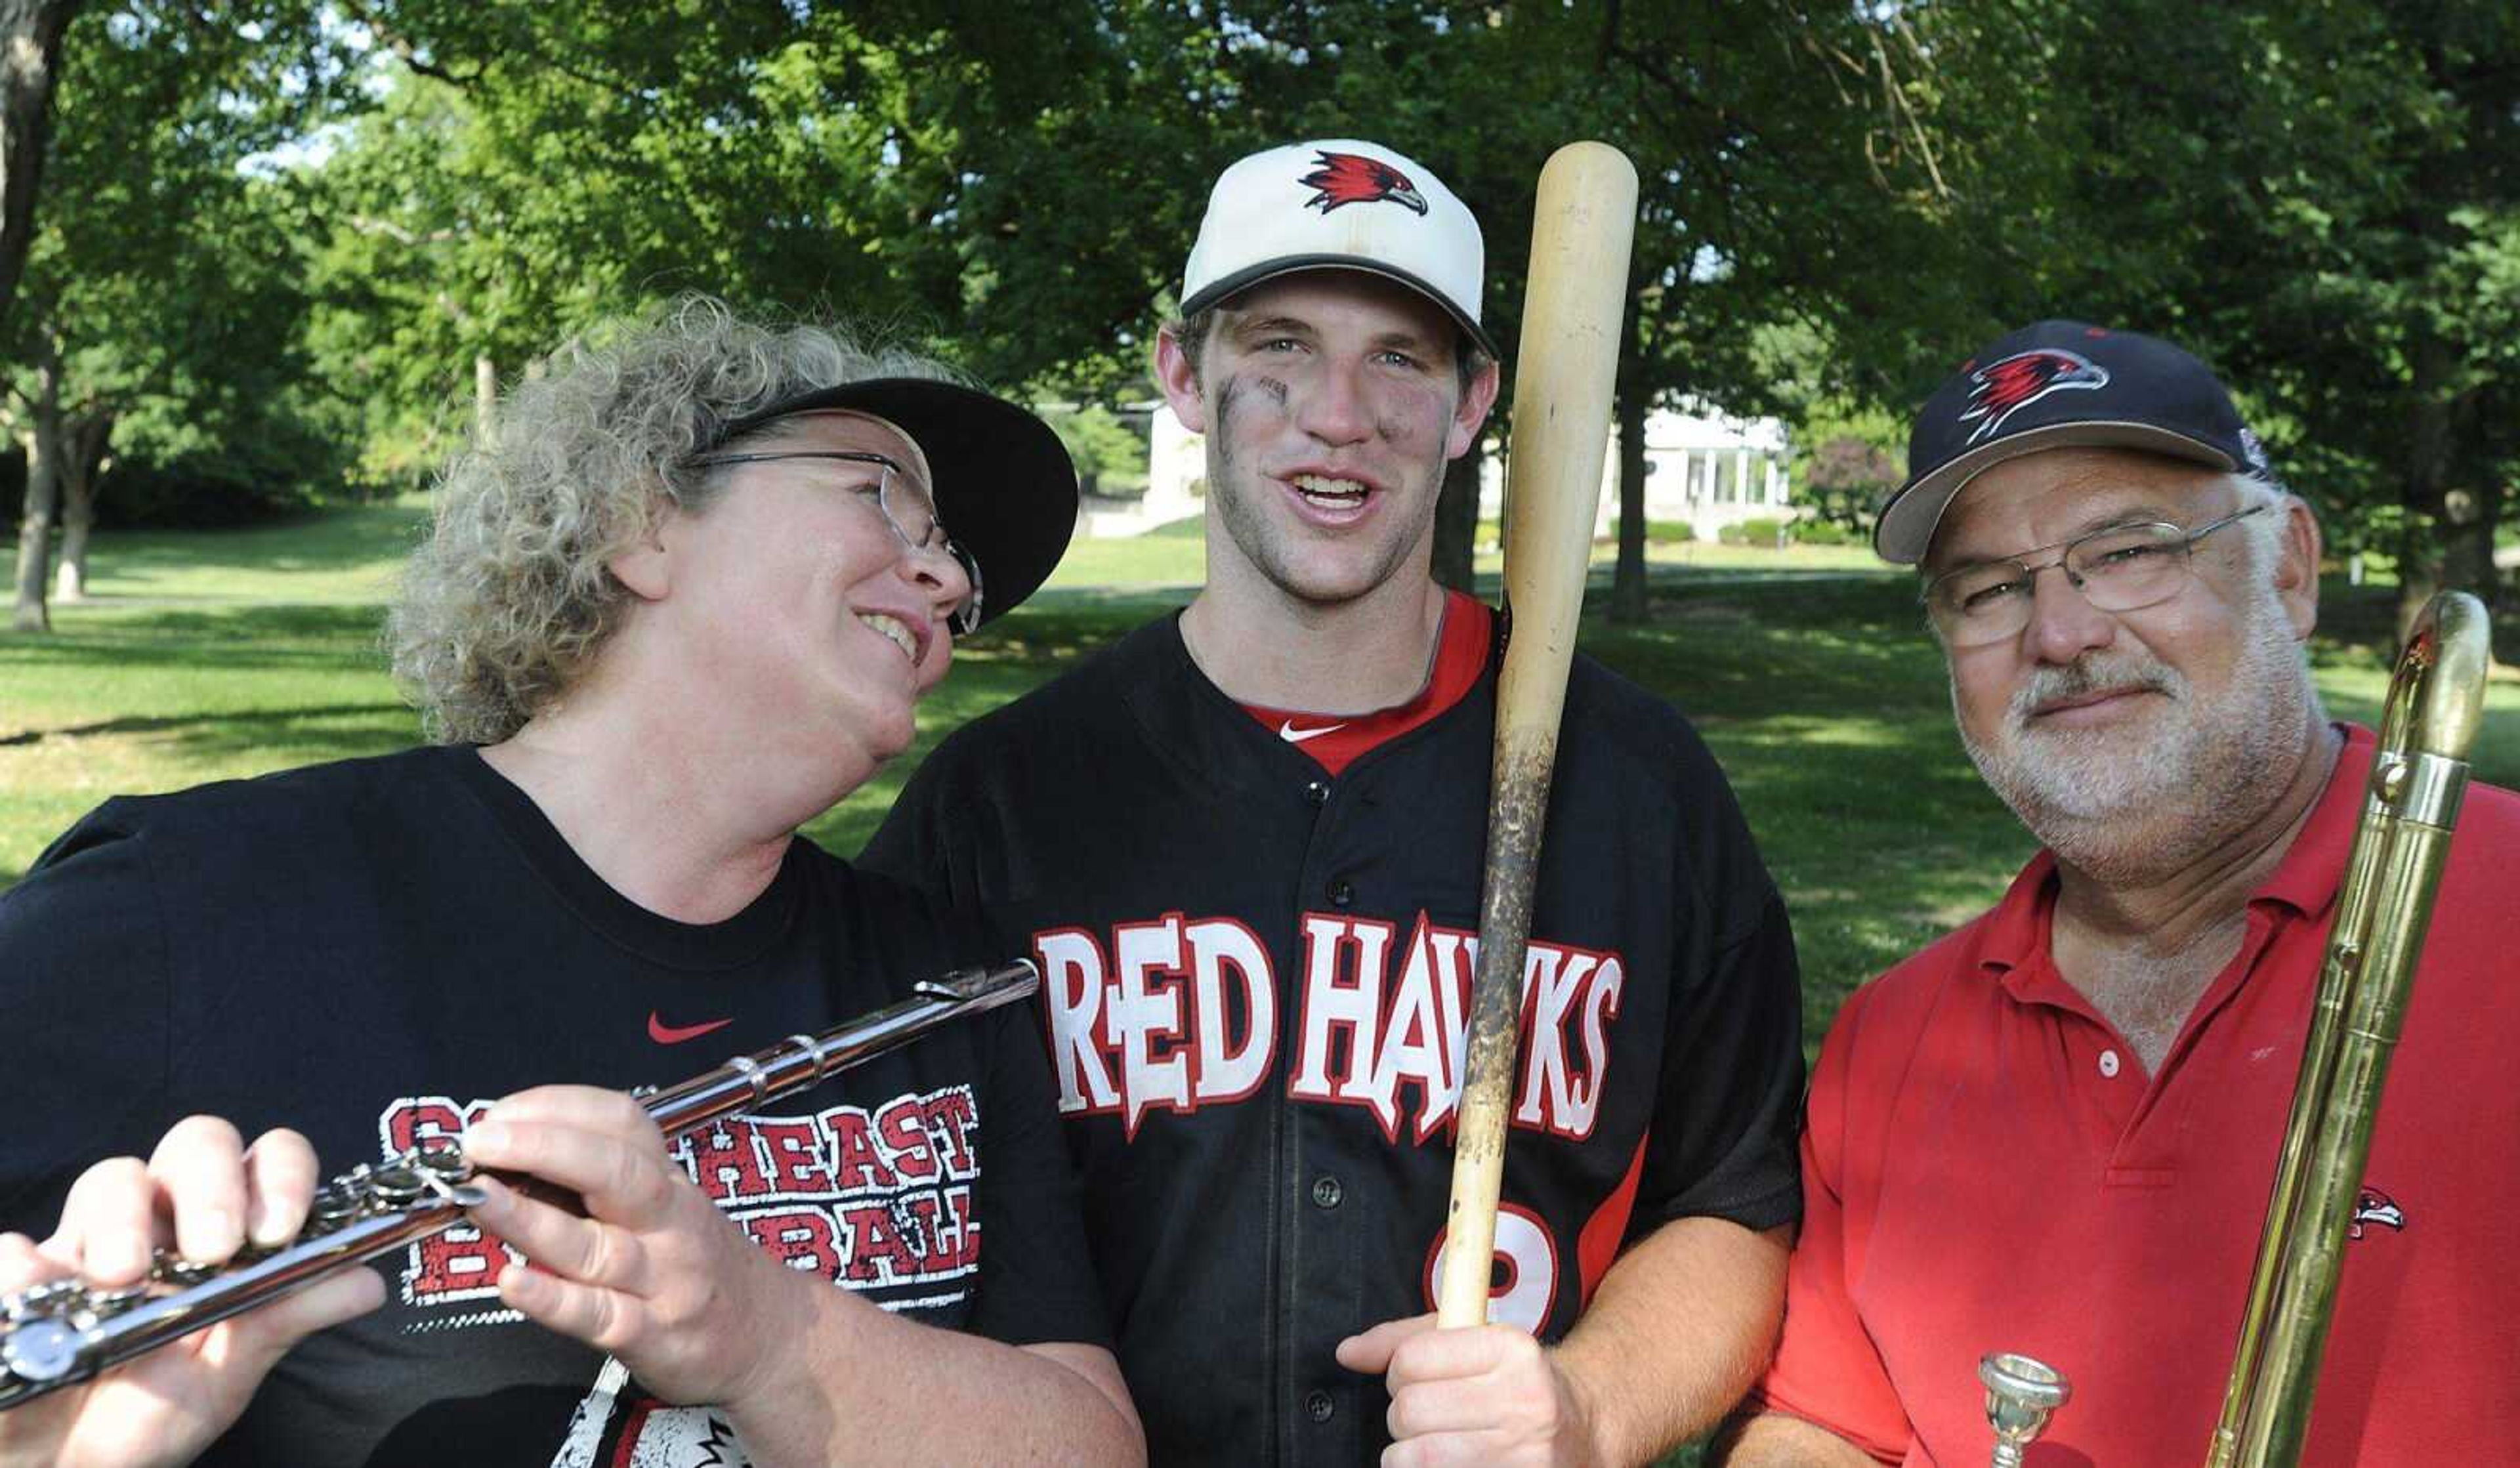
(372, 951)
(1254, 980)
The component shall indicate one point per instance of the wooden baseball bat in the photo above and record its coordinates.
(1581, 227)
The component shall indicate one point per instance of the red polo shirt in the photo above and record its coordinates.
(1987, 1168)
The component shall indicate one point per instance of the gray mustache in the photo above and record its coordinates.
(2095, 674)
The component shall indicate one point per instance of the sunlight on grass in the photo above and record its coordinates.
(222, 654)
(346, 556)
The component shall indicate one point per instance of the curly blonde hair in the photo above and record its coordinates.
(510, 600)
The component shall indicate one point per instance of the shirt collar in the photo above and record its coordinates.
(2308, 876)
(2016, 931)
(2015, 937)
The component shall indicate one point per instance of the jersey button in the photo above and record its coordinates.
(1327, 1192)
(1319, 1405)
(2109, 1064)
(1341, 892)
(1317, 793)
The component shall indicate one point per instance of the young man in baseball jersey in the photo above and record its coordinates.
(1244, 846)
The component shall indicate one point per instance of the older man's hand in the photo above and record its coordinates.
(1489, 1396)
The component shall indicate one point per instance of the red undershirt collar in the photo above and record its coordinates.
(1335, 742)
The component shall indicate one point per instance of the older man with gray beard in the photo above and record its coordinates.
(2054, 1131)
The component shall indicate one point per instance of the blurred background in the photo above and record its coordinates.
(263, 263)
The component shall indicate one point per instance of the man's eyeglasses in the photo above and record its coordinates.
(905, 504)
(2116, 569)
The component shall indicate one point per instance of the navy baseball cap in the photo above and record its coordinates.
(1005, 487)
(2052, 385)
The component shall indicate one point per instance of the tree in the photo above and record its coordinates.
(2323, 200)
(1123, 111)
(531, 169)
(1110, 458)
(167, 274)
(30, 50)
(1790, 180)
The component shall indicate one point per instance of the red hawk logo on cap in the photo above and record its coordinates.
(2000, 389)
(1346, 178)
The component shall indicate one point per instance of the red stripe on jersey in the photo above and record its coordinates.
(1597, 1245)
(625, 1453)
(1462, 647)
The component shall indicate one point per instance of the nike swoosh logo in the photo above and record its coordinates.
(666, 1033)
(1293, 736)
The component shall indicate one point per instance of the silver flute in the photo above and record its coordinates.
(64, 1332)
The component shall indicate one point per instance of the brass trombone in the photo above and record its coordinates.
(2435, 703)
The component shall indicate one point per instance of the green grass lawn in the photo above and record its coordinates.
(216, 654)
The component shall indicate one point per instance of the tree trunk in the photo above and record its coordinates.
(43, 490)
(1456, 517)
(1628, 585)
(30, 53)
(2468, 538)
(2426, 476)
(485, 398)
(80, 466)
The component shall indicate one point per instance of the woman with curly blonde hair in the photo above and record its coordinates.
(512, 594)
(686, 598)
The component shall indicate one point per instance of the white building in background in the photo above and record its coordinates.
(1707, 469)
(1176, 475)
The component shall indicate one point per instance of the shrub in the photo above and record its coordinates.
(1111, 457)
(1819, 532)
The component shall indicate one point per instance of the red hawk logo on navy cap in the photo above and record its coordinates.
(1346, 178)
(2000, 389)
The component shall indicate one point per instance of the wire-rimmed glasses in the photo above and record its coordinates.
(2116, 569)
(906, 506)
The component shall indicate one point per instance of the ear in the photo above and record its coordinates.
(1471, 411)
(647, 569)
(1180, 382)
(2296, 567)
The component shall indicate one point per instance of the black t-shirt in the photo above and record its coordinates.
(372, 951)
(1253, 983)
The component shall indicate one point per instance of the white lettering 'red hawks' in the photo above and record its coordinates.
(1182, 1012)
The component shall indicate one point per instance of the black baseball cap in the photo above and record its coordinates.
(1006, 489)
(2052, 385)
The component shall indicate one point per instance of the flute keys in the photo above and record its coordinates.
(39, 1350)
(42, 1302)
(398, 1185)
(442, 1160)
(443, 1155)
(181, 1273)
(103, 1302)
(331, 1208)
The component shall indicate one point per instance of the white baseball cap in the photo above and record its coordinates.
(1338, 203)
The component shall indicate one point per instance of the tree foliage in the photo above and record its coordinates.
(2322, 200)
(30, 46)
(1838, 201)
(162, 288)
